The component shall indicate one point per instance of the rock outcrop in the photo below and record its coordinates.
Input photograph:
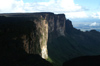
(32, 29)
(22, 38)
(26, 30)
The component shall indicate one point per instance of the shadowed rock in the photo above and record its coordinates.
(84, 61)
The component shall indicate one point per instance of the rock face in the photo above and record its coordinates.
(22, 40)
(29, 34)
(33, 30)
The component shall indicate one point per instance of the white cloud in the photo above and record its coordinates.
(96, 15)
(5, 5)
(18, 6)
(9, 6)
(68, 7)
(81, 14)
(94, 24)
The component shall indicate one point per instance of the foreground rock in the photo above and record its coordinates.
(84, 61)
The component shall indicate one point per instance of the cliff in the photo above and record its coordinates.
(33, 29)
(46, 34)
(29, 33)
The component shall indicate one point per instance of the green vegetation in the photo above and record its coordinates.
(62, 49)
(73, 45)
(55, 63)
(50, 60)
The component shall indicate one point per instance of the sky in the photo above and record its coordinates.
(79, 11)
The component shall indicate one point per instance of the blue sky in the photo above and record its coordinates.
(90, 5)
(79, 11)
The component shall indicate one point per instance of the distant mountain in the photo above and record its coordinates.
(88, 27)
(86, 24)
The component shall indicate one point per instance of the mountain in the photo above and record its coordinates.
(47, 35)
(88, 27)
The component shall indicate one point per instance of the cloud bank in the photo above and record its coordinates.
(67, 7)
(94, 24)
(96, 15)
(9, 6)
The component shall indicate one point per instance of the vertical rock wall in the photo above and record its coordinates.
(38, 29)
(36, 41)
(43, 30)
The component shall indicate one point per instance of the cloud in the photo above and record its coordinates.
(68, 7)
(80, 14)
(7, 6)
(96, 15)
(94, 24)
(18, 6)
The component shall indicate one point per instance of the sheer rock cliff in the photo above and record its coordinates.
(31, 30)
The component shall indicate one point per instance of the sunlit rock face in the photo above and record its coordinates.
(38, 39)
(43, 29)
